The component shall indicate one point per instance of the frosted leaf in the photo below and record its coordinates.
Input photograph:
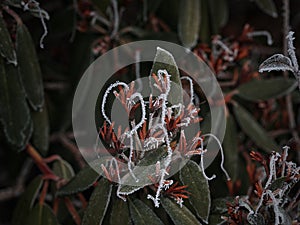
(276, 62)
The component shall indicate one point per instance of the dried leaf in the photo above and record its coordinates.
(192, 176)
(276, 62)
(7, 49)
(41, 215)
(179, 215)
(26, 201)
(261, 90)
(141, 213)
(268, 7)
(189, 22)
(254, 130)
(29, 68)
(14, 111)
(98, 203)
(40, 136)
(82, 181)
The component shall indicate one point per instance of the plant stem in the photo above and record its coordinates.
(72, 211)
(288, 98)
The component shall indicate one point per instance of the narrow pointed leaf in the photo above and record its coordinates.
(142, 171)
(98, 204)
(26, 201)
(205, 31)
(141, 213)
(165, 61)
(268, 7)
(192, 176)
(257, 90)
(82, 181)
(230, 146)
(7, 49)
(254, 130)
(29, 68)
(189, 22)
(14, 111)
(219, 10)
(40, 136)
(63, 169)
(120, 212)
(42, 215)
(179, 215)
(276, 62)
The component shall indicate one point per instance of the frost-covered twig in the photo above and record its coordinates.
(262, 33)
(42, 15)
(284, 63)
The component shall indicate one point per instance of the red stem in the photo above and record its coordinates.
(72, 211)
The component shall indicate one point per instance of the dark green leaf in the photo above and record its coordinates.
(153, 5)
(82, 181)
(215, 219)
(41, 215)
(205, 33)
(14, 111)
(230, 145)
(6, 46)
(277, 62)
(142, 171)
(141, 214)
(63, 169)
(219, 206)
(29, 68)
(101, 5)
(40, 136)
(189, 22)
(120, 212)
(179, 215)
(165, 61)
(26, 201)
(98, 204)
(267, 6)
(277, 184)
(257, 90)
(192, 176)
(254, 130)
(220, 13)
